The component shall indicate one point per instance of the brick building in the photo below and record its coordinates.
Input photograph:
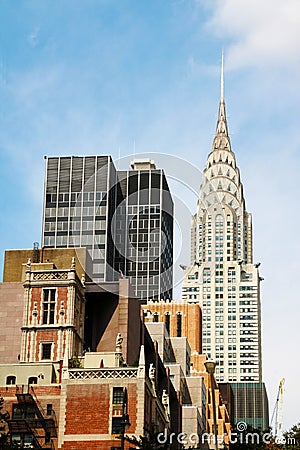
(183, 321)
(77, 346)
(222, 416)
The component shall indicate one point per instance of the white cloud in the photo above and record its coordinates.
(263, 34)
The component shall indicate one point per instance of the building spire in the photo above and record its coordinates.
(221, 139)
(222, 77)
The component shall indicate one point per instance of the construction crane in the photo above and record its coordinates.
(278, 413)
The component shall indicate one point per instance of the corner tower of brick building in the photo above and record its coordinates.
(53, 316)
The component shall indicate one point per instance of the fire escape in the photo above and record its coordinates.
(29, 426)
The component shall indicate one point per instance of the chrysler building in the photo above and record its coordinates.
(222, 276)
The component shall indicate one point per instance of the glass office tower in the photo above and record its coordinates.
(123, 218)
(79, 203)
(148, 246)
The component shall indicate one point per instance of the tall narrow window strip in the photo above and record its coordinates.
(179, 325)
(167, 322)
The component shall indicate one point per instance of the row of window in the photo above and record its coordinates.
(134, 209)
(167, 322)
(77, 211)
(152, 237)
(12, 379)
(152, 251)
(85, 240)
(74, 196)
(144, 224)
(219, 310)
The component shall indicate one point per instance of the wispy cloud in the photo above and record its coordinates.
(263, 34)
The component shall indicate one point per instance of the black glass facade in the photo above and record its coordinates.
(123, 218)
(251, 404)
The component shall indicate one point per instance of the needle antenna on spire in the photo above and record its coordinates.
(222, 77)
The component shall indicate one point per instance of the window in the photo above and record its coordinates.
(22, 412)
(49, 240)
(117, 396)
(117, 403)
(167, 322)
(11, 379)
(32, 380)
(46, 350)
(48, 306)
(179, 324)
(49, 409)
(18, 411)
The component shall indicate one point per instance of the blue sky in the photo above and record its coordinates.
(105, 76)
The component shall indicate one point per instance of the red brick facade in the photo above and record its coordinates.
(87, 409)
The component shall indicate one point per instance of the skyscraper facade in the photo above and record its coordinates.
(222, 276)
(79, 204)
(124, 219)
(147, 213)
